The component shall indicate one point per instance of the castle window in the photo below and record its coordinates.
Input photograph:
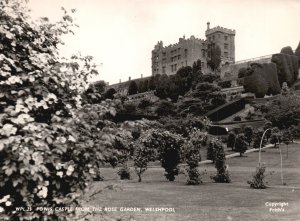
(164, 69)
(185, 53)
(179, 57)
(225, 37)
(209, 38)
(175, 67)
(203, 53)
(226, 54)
(164, 53)
(213, 37)
(225, 46)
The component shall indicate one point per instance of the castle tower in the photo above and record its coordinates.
(224, 38)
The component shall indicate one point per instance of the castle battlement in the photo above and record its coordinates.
(220, 29)
(159, 45)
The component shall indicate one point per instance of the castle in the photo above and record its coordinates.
(167, 60)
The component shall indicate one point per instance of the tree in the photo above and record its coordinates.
(268, 125)
(240, 144)
(276, 136)
(141, 160)
(260, 79)
(165, 88)
(231, 140)
(170, 153)
(222, 175)
(284, 111)
(248, 133)
(145, 85)
(214, 56)
(287, 50)
(132, 88)
(165, 108)
(286, 138)
(99, 86)
(210, 155)
(297, 52)
(109, 94)
(197, 66)
(151, 83)
(257, 139)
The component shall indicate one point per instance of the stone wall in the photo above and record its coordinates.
(231, 71)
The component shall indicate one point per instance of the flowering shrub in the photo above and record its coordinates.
(222, 175)
(258, 178)
(49, 146)
(193, 156)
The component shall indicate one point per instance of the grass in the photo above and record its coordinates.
(209, 201)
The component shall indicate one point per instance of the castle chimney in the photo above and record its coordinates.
(208, 23)
(141, 75)
(120, 81)
(129, 78)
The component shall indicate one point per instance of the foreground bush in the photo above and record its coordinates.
(48, 150)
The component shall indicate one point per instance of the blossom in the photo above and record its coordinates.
(4, 199)
(23, 119)
(14, 80)
(8, 129)
(60, 174)
(70, 170)
(43, 192)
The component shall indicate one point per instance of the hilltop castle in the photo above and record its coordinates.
(167, 60)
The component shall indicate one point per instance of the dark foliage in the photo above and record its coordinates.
(240, 144)
(287, 67)
(287, 50)
(214, 53)
(224, 84)
(132, 88)
(260, 79)
(165, 108)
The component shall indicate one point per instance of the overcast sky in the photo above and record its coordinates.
(120, 34)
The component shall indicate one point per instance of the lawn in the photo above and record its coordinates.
(209, 201)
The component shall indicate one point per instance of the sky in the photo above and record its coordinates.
(120, 34)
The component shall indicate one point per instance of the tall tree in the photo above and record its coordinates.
(297, 52)
(240, 144)
(214, 56)
(248, 133)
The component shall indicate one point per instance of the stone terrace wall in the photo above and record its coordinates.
(231, 71)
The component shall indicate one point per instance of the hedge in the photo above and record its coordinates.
(287, 68)
(261, 79)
